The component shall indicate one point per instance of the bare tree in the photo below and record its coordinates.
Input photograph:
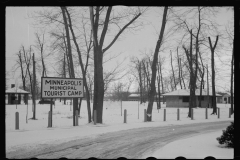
(154, 63)
(95, 13)
(146, 76)
(83, 68)
(114, 75)
(158, 86)
(161, 60)
(27, 61)
(72, 74)
(232, 72)
(230, 36)
(20, 63)
(90, 85)
(212, 48)
(137, 73)
(199, 18)
(192, 101)
(179, 69)
(40, 46)
(173, 75)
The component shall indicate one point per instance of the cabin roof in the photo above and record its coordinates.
(16, 90)
(186, 92)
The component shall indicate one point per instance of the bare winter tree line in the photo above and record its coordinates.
(76, 38)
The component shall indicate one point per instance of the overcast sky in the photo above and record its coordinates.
(19, 31)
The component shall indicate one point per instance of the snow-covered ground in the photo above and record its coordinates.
(35, 132)
(196, 147)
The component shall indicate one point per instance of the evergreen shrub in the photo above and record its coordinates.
(227, 136)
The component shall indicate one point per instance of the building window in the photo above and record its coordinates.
(185, 99)
(202, 98)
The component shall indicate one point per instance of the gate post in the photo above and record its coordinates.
(145, 115)
(164, 115)
(17, 121)
(206, 113)
(49, 119)
(125, 116)
(230, 112)
(76, 116)
(192, 113)
(178, 114)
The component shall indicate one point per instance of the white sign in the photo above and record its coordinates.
(54, 87)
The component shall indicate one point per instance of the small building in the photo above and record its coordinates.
(15, 95)
(180, 98)
(136, 97)
(220, 99)
(226, 98)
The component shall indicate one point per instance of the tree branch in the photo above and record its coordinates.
(105, 26)
(119, 33)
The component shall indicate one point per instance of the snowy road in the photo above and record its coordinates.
(133, 143)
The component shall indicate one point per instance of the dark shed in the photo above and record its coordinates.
(14, 95)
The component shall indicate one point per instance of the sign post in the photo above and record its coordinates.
(55, 87)
(51, 113)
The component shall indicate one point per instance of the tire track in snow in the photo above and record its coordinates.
(133, 143)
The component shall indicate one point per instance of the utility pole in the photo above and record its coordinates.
(34, 85)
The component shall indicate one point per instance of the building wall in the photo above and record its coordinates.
(226, 99)
(174, 101)
(219, 99)
(133, 98)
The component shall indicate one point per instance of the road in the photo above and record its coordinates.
(133, 143)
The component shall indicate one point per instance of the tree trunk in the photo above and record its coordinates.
(154, 63)
(202, 81)
(207, 88)
(22, 74)
(67, 56)
(98, 85)
(201, 87)
(64, 73)
(72, 75)
(144, 87)
(181, 74)
(212, 48)
(140, 82)
(159, 102)
(82, 68)
(179, 70)
(232, 65)
(160, 71)
(192, 99)
(175, 88)
(98, 54)
(79, 106)
(29, 73)
(159, 91)
(34, 90)
(146, 76)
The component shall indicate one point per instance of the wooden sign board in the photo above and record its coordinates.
(54, 87)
